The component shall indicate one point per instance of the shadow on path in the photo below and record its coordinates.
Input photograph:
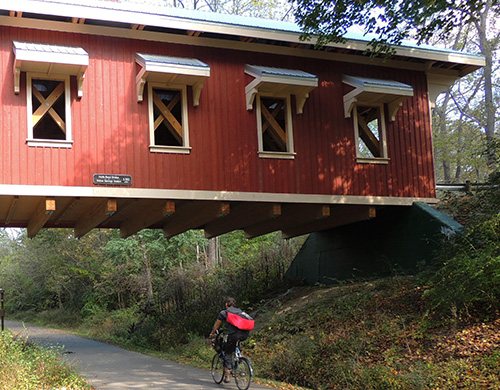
(112, 368)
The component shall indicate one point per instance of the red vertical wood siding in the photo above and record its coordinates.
(111, 134)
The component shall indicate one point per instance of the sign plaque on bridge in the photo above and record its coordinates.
(112, 180)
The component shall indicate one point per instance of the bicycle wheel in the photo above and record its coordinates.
(217, 368)
(243, 372)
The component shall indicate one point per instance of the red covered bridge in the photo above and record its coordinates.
(114, 117)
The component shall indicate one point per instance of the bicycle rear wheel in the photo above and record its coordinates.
(217, 368)
(243, 372)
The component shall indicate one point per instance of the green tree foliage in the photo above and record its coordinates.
(53, 271)
(390, 22)
(145, 289)
(470, 106)
(464, 281)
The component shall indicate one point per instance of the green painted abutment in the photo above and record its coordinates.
(399, 239)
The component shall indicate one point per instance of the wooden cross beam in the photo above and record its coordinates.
(41, 215)
(98, 214)
(341, 215)
(193, 215)
(292, 215)
(146, 216)
(242, 215)
(69, 206)
(12, 209)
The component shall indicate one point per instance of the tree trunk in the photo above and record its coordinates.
(486, 50)
(147, 273)
(213, 252)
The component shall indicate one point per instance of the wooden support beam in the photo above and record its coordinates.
(12, 209)
(78, 20)
(194, 215)
(139, 27)
(69, 206)
(98, 214)
(146, 217)
(41, 215)
(17, 14)
(342, 215)
(242, 215)
(193, 33)
(293, 215)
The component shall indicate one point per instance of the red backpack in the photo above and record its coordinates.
(241, 320)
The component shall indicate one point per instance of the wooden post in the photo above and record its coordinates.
(2, 311)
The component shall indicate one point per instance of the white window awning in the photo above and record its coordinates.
(274, 81)
(375, 91)
(49, 60)
(171, 70)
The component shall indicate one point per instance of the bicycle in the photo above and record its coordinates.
(242, 370)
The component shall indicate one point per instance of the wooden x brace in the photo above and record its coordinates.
(166, 116)
(368, 137)
(277, 133)
(46, 106)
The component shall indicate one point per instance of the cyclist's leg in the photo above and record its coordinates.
(229, 347)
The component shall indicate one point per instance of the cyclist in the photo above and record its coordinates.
(239, 324)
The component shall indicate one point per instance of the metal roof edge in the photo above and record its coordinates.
(177, 18)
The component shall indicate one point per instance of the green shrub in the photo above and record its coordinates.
(26, 366)
(467, 277)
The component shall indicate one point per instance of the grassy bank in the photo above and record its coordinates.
(24, 366)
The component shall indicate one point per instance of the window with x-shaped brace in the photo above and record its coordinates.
(49, 110)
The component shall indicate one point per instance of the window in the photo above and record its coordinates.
(368, 100)
(168, 119)
(274, 125)
(168, 79)
(49, 110)
(271, 89)
(369, 125)
(48, 99)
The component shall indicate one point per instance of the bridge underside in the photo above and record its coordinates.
(175, 216)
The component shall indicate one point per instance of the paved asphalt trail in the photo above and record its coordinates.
(111, 368)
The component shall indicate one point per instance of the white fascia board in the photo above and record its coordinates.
(234, 196)
(289, 80)
(388, 90)
(281, 31)
(177, 69)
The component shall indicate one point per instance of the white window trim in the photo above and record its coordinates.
(289, 154)
(184, 149)
(384, 159)
(31, 141)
